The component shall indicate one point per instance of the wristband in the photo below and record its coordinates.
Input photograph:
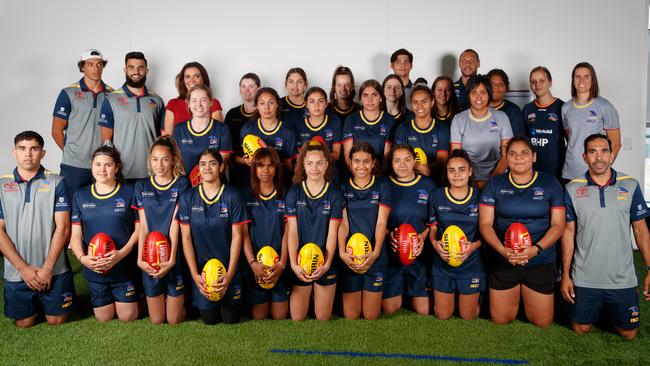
(539, 248)
(281, 265)
(251, 262)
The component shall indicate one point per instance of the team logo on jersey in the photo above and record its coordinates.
(79, 95)
(326, 207)
(582, 192)
(120, 205)
(494, 127)
(88, 205)
(236, 292)
(174, 193)
(623, 193)
(634, 314)
(473, 210)
(122, 100)
(301, 203)
(213, 141)
(423, 196)
(62, 112)
(11, 187)
(374, 197)
(223, 210)
(552, 117)
(281, 206)
(278, 143)
(130, 290)
(457, 91)
(329, 135)
(152, 103)
(67, 300)
(379, 279)
(538, 193)
(434, 141)
(531, 118)
(382, 130)
(641, 209)
(593, 116)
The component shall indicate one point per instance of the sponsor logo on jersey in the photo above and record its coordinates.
(213, 141)
(538, 193)
(552, 117)
(187, 141)
(197, 209)
(130, 290)
(507, 192)
(88, 205)
(281, 206)
(362, 128)
(174, 193)
(79, 95)
(493, 126)
(434, 141)
(379, 279)
(423, 196)
(278, 143)
(152, 103)
(253, 203)
(122, 100)
(329, 135)
(67, 300)
(641, 209)
(326, 207)
(411, 139)
(304, 136)
(223, 210)
(623, 193)
(382, 130)
(348, 195)
(531, 118)
(593, 116)
(62, 112)
(444, 208)
(147, 194)
(473, 209)
(11, 187)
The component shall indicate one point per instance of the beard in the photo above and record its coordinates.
(136, 84)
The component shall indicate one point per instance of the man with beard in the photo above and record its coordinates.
(74, 121)
(597, 261)
(132, 117)
(468, 63)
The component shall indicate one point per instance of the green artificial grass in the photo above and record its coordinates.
(83, 340)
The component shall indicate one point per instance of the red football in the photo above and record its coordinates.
(406, 237)
(517, 237)
(156, 249)
(195, 176)
(100, 245)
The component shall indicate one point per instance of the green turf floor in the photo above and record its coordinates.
(85, 341)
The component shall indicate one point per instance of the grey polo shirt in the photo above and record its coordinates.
(27, 208)
(603, 253)
(136, 122)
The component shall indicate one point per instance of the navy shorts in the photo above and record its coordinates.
(22, 302)
(256, 295)
(329, 278)
(464, 286)
(411, 280)
(232, 297)
(539, 277)
(75, 178)
(371, 281)
(105, 293)
(622, 306)
(173, 284)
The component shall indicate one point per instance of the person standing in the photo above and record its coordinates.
(468, 63)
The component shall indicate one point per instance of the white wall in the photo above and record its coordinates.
(40, 42)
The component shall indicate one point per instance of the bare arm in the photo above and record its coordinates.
(58, 134)
(614, 136)
(568, 246)
(168, 123)
(503, 162)
(642, 238)
(27, 272)
(106, 133)
(60, 239)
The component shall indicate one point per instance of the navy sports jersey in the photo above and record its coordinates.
(266, 215)
(282, 138)
(377, 133)
(112, 213)
(329, 130)
(410, 202)
(292, 114)
(544, 127)
(514, 115)
(159, 201)
(404, 117)
(235, 119)
(362, 205)
(432, 140)
(340, 113)
(216, 135)
(461, 95)
(445, 210)
(529, 204)
(210, 221)
(313, 212)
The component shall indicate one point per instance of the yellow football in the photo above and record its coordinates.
(267, 256)
(358, 245)
(455, 242)
(212, 272)
(250, 144)
(420, 156)
(310, 257)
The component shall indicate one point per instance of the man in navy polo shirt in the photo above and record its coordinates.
(132, 117)
(74, 120)
(597, 261)
(34, 230)
(468, 63)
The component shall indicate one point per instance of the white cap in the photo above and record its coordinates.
(92, 54)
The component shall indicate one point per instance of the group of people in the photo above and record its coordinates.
(453, 154)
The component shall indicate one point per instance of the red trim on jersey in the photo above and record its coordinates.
(385, 205)
(611, 129)
(442, 151)
(226, 151)
(334, 219)
(558, 208)
(76, 223)
(348, 139)
(241, 222)
(485, 204)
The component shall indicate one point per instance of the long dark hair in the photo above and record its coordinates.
(261, 154)
(594, 91)
(401, 102)
(180, 85)
(388, 169)
(177, 160)
(452, 103)
(342, 70)
(313, 145)
(458, 154)
(275, 96)
(363, 146)
(109, 150)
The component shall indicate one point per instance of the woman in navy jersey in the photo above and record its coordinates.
(342, 93)
(367, 204)
(410, 192)
(292, 106)
(192, 74)
(500, 86)
(536, 200)
(319, 123)
(156, 198)
(395, 98)
(424, 132)
(445, 107)
(201, 132)
(212, 216)
(456, 204)
(314, 208)
(370, 124)
(106, 206)
(265, 207)
(543, 119)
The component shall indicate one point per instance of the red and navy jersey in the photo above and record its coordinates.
(329, 131)
(377, 133)
(210, 220)
(432, 140)
(159, 201)
(544, 127)
(404, 117)
(410, 202)
(113, 213)
(267, 219)
(530, 204)
(282, 138)
(292, 114)
(514, 115)
(216, 135)
(445, 210)
(362, 205)
(342, 114)
(313, 212)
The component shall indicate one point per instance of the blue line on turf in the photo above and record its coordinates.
(401, 355)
